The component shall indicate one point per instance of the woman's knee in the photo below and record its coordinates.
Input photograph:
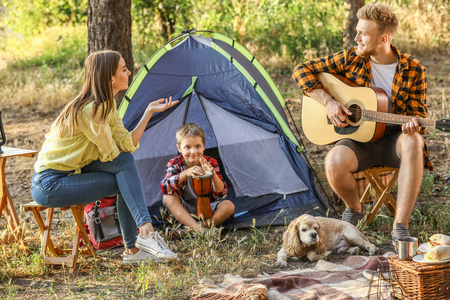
(125, 158)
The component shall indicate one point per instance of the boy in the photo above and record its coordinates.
(179, 196)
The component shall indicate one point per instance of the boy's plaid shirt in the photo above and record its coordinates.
(169, 184)
(408, 90)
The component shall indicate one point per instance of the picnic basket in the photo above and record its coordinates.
(412, 280)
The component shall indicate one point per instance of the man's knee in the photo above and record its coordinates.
(340, 159)
(411, 144)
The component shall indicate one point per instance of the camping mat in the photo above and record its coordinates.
(326, 280)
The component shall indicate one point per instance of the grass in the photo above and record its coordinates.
(211, 255)
(246, 252)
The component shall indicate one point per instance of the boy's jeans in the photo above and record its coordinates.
(97, 180)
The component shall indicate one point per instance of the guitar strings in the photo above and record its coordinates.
(400, 119)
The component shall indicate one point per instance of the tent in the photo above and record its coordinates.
(225, 90)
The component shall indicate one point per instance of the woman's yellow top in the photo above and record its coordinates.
(91, 140)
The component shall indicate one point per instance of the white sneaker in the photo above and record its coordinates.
(155, 245)
(140, 257)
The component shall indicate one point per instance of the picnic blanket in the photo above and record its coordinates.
(347, 280)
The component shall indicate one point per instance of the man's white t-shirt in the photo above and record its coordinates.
(383, 77)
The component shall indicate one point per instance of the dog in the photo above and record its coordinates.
(316, 237)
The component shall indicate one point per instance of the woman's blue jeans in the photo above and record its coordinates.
(98, 180)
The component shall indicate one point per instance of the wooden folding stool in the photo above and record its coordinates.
(58, 258)
(381, 191)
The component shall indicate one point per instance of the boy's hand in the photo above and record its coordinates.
(161, 104)
(206, 165)
(195, 171)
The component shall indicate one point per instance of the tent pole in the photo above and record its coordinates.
(187, 108)
(296, 128)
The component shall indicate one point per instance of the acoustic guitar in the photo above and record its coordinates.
(369, 117)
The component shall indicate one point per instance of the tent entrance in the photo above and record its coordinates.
(241, 148)
(244, 149)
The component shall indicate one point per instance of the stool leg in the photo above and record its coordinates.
(42, 228)
(47, 229)
(78, 215)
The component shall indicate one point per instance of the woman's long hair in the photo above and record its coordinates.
(99, 68)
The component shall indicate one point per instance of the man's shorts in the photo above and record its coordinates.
(379, 153)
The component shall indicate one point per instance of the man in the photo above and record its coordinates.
(375, 62)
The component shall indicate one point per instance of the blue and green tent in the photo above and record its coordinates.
(224, 89)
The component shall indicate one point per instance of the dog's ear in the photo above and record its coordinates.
(321, 246)
(291, 240)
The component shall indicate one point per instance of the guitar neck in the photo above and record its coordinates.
(382, 117)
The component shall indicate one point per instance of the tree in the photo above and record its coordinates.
(350, 20)
(109, 27)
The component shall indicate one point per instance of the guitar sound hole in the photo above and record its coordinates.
(356, 114)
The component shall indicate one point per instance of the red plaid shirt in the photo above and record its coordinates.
(169, 184)
(408, 90)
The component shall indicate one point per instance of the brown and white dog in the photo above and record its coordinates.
(314, 236)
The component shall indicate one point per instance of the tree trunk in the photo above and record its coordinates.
(109, 27)
(351, 20)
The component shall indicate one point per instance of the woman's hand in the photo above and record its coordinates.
(161, 105)
(155, 106)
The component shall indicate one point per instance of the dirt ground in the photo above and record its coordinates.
(26, 129)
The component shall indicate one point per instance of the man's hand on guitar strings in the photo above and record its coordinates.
(337, 113)
(411, 127)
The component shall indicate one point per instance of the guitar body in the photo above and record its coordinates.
(319, 130)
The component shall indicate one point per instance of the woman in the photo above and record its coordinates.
(87, 156)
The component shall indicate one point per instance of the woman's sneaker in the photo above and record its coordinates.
(140, 257)
(155, 245)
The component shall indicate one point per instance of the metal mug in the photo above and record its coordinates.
(406, 247)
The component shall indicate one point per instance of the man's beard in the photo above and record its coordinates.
(364, 52)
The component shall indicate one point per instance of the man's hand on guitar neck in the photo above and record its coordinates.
(411, 127)
(336, 112)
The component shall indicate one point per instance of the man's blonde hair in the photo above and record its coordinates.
(386, 20)
(189, 130)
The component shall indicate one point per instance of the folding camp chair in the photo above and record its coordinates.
(379, 191)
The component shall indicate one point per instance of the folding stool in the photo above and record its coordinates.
(381, 192)
(58, 255)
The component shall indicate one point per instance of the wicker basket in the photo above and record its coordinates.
(419, 281)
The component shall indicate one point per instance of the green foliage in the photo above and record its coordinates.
(271, 28)
(432, 216)
(27, 17)
(58, 46)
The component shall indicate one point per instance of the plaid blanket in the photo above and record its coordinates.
(348, 280)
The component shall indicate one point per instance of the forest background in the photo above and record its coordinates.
(43, 44)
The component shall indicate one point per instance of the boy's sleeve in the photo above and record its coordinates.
(169, 184)
(223, 193)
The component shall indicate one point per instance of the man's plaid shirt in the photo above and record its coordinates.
(408, 90)
(169, 184)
